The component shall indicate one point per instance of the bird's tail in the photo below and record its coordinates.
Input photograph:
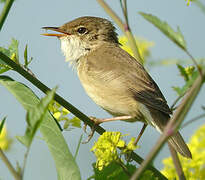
(160, 120)
(179, 145)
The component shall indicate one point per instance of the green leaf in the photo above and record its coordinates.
(175, 36)
(26, 56)
(11, 52)
(182, 90)
(183, 72)
(112, 171)
(115, 171)
(35, 115)
(74, 122)
(2, 124)
(13, 48)
(66, 166)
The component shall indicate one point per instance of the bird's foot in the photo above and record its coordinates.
(99, 121)
(90, 135)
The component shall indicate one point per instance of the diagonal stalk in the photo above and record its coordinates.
(69, 106)
(124, 27)
(16, 175)
(5, 12)
(173, 124)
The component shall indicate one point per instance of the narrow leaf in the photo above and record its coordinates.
(183, 72)
(175, 36)
(78, 146)
(13, 48)
(26, 56)
(66, 166)
(34, 118)
(182, 90)
(2, 124)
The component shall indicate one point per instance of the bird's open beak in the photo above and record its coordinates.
(63, 33)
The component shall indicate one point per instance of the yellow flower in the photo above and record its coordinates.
(106, 148)
(61, 114)
(131, 146)
(189, 70)
(57, 115)
(193, 168)
(188, 2)
(142, 44)
(5, 142)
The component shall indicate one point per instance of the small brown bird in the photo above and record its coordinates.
(112, 78)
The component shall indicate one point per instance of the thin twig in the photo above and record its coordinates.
(176, 101)
(24, 161)
(124, 168)
(16, 175)
(78, 146)
(176, 162)
(124, 10)
(192, 120)
(124, 29)
(5, 12)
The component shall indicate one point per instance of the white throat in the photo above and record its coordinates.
(73, 48)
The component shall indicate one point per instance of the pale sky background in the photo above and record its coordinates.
(24, 23)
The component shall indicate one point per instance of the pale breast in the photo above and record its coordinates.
(108, 92)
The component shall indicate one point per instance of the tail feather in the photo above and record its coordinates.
(159, 121)
(179, 145)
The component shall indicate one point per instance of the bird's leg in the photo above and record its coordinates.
(140, 134)
(99, 121)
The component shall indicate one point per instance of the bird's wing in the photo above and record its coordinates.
(120, 66)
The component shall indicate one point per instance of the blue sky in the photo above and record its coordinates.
(24, 23)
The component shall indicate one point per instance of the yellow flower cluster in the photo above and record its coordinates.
(193, 168)
(188, 2)
(142, 44)
(5, 142)
(106, 148)
(61, 114)
(58, 111)
(189, 70)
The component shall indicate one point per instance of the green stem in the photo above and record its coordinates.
(5, 12)
(192, 120)
(16, 175)
(78, 146)
(45, 89)
(124, 27)
(173, 124)
(68, 106)
(177, 163)
(200, 5)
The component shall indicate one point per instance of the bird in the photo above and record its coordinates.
(113, 79)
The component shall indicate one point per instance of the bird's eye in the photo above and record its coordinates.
(81, 30)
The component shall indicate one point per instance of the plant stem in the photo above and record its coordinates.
(68, 106)
(124, 27)
(177, 163)
(78, 146)
(176, 101)
(5, 12)
(25, 160)
(173, 124)
(192, 120)
(16, 175)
